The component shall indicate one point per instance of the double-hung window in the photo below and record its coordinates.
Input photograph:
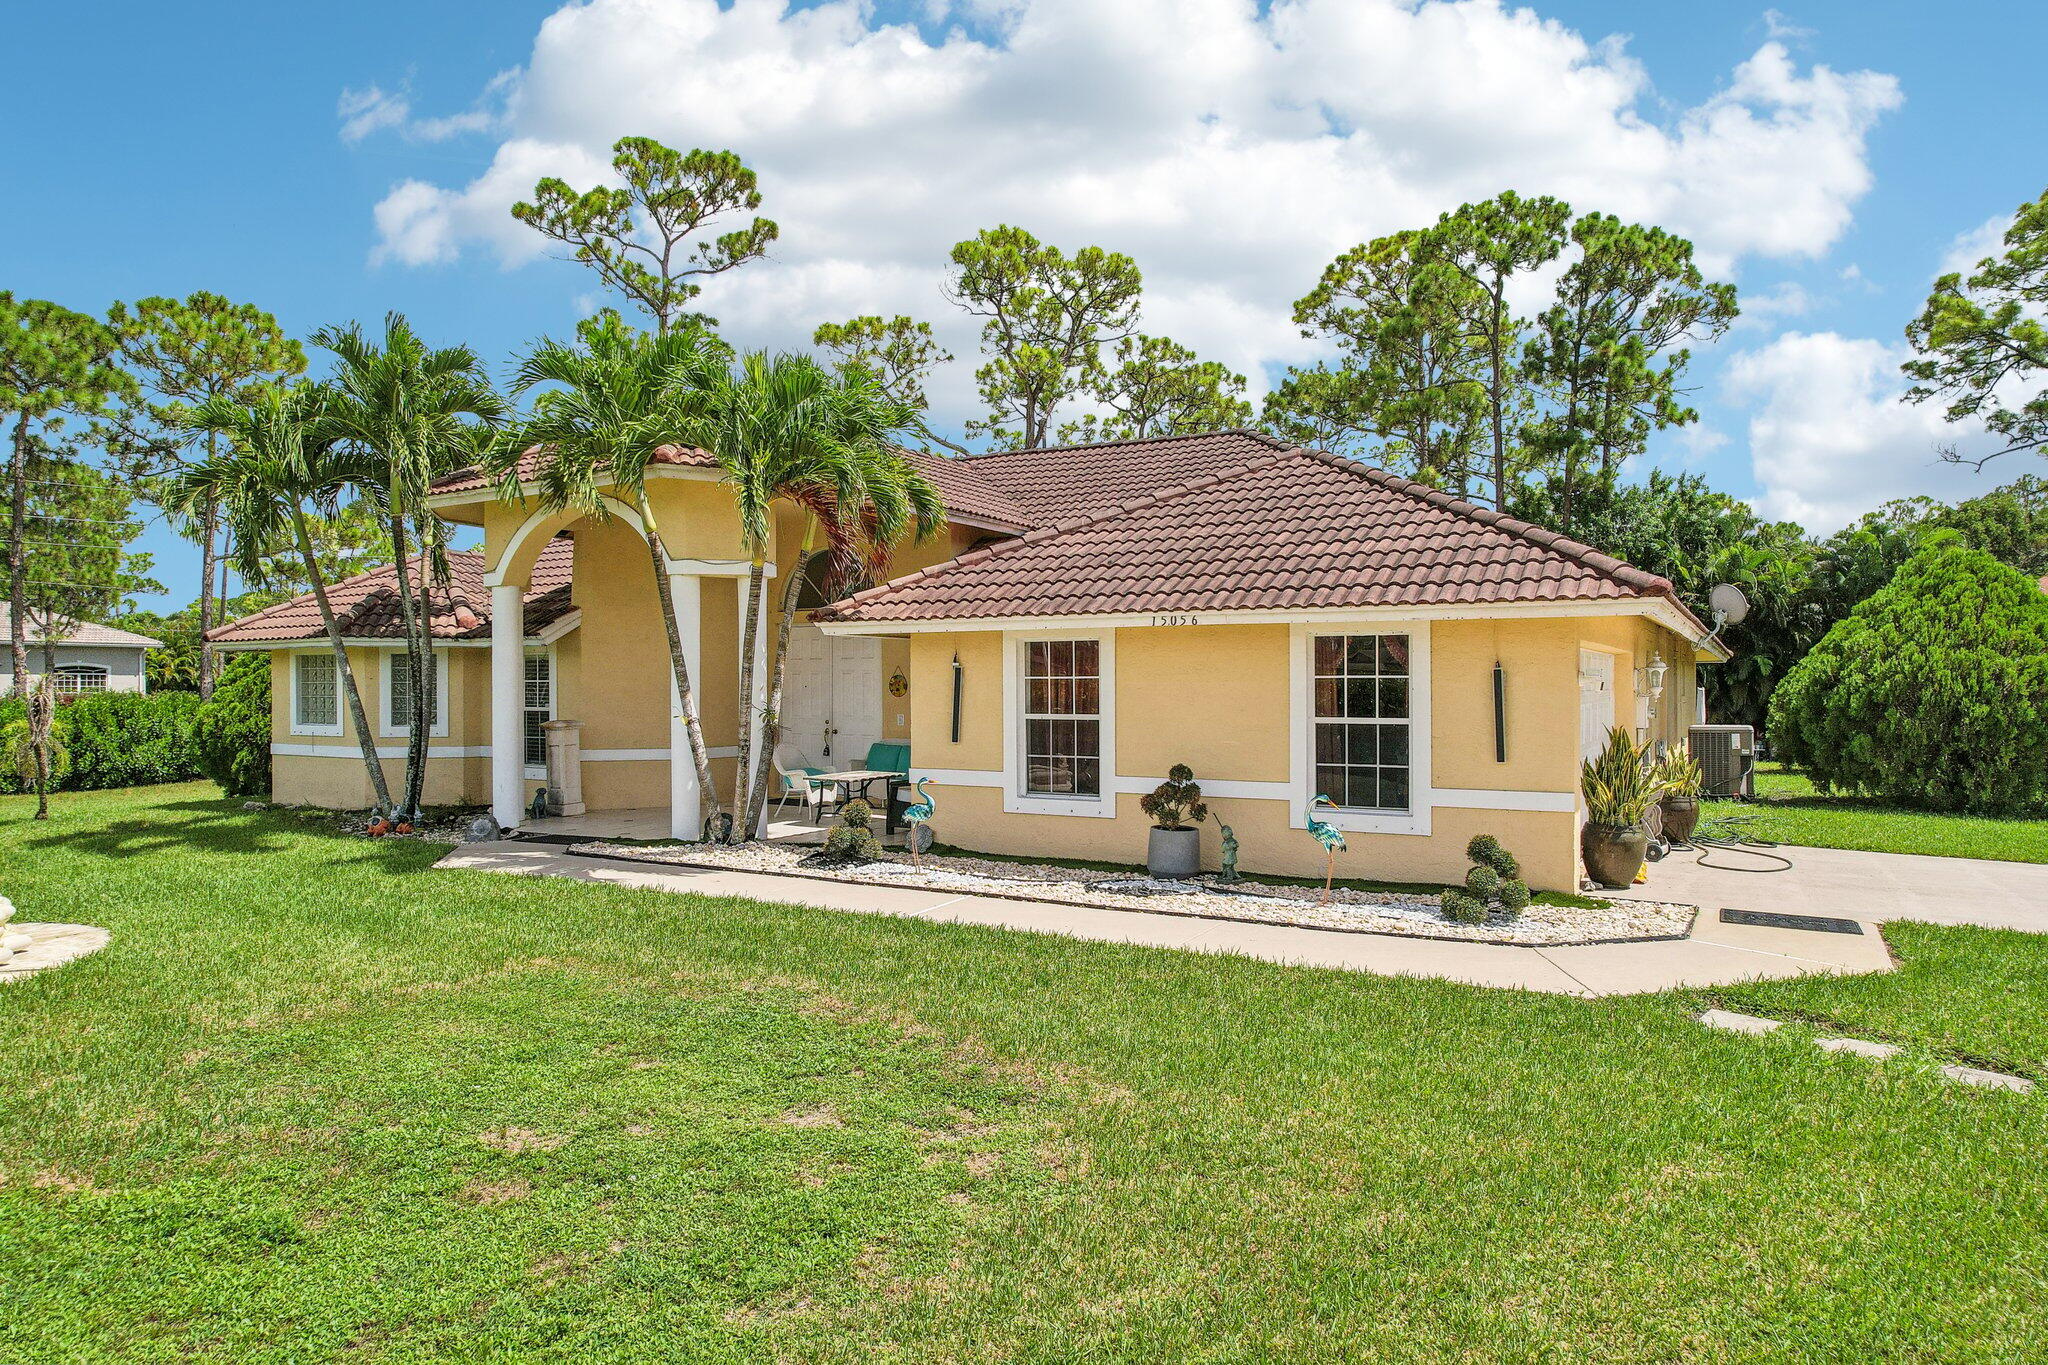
(1361, 720)
(1063, 718)
(316, 694)
(539, 709)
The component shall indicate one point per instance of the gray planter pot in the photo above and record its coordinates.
(1613, 855)
(1174, 853)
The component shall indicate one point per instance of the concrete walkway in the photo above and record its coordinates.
(1715, 954)
(1874, 887)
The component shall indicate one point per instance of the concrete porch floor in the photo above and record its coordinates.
(1714, 953)
(791, 825)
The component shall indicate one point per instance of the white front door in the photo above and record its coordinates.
(856, 699)
(1596, 701)
(807, 693)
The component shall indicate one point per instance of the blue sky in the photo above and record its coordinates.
(1826, 157)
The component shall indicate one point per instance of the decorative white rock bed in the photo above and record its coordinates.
(1357, 911)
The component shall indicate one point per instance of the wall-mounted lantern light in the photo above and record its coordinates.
(1653, 676)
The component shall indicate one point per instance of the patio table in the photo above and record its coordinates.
(847, 781)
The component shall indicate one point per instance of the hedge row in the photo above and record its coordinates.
(117, 739)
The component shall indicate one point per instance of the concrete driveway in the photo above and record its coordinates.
(1866, 886)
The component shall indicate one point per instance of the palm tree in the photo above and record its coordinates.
(873, 499)
(411, 413)
(277, 460)
(619, 397)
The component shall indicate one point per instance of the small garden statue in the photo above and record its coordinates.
(12, 941)
(1229, 872)
(1330, 837)
(1494, 880)
(916, 818)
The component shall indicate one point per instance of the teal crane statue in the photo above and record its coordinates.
(914, 818)
(1330, 837)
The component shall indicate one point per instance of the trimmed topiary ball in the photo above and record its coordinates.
(851, 840)
(1463, 907)
(1487, 852)
(1483, 882)
(1514, 896)
(1933, 693)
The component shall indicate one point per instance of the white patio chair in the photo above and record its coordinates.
(798, 780)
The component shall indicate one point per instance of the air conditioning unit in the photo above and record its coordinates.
(1727, 758)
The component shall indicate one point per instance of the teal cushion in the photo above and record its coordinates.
(889, 756)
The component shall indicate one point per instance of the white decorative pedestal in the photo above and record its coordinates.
(565, 766)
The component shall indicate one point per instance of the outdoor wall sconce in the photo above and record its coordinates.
(956, 696)
(1651, 679)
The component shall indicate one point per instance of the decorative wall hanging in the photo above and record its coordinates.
(898, 684)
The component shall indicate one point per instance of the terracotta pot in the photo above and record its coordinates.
(1613, 855)
(1681, 818)
(1174, 853)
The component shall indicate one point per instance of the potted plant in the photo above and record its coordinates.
(1176, 806)
(1678, 774)
(1619, 789)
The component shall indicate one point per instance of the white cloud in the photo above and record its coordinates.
(1232, 149)
(1782, 28)
(363, 112)
(1968, 248)
(1768, 307)
(1830, 436)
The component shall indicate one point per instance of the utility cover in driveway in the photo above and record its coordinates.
(1818, 924)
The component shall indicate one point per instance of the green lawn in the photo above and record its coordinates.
(1789, 811)
(318, 1103)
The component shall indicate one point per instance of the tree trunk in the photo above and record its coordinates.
(679, 667)
(1500, 446)
(771, 719)
(209, 535)
(17, 565)
(409, 611)
(750, 629)
(365, 739)
(42, 726)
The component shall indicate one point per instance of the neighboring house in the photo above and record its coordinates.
(87, 659)
(1284, 621)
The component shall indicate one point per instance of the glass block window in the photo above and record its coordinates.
(398, 696)
(540, 707)
(316, 696)
(1361, 720)
(77, 680)
(1063, 718)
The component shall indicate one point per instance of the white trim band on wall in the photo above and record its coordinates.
(1452, 798)
(355, 754)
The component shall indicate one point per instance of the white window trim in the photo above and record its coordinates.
(547, 652)
(1301, 728)
(1016, 801)
(340, 702)
(63, 671)
(385, 729)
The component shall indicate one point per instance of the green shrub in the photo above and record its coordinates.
(1483, 882)
(127, 739)
(1514, 895)
(1462, 907)
(1486, 851)
(231, 731)
(1933, 693)
(851, 840)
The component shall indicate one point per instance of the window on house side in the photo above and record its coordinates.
(398, 702)
(1063, 718)
(317, 702)
(1361, 721)
(76, 680)
(540, 708)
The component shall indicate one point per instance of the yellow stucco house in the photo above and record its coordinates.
(1284, 621)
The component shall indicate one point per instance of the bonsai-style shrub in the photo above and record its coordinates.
(1493, 881)
(231, 729)
(851, 841)
(1176, 801)
(1932, 693)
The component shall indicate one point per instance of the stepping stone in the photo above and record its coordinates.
(1739, 1023)
(1858, 1046)
(1991, 1080)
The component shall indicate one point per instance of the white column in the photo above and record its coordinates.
(508, 704)
(685, 807)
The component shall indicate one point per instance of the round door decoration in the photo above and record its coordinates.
(898, 684)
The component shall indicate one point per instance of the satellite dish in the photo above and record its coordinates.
(1729, 605)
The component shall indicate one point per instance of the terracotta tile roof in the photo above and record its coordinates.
(1059, 483)
(85, 633)
(471, 479)
(1289, 528)
(366, 606)
(966, 492)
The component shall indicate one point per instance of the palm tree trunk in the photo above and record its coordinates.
(426, 691)
(209, 550)
(408, 607)
(750, 630)
(771, 717)
(679, 667)
(364, 737)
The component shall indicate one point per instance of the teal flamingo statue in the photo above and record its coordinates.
(914, 818)
(1330, 837)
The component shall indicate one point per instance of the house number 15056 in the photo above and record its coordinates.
(1176, 621)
